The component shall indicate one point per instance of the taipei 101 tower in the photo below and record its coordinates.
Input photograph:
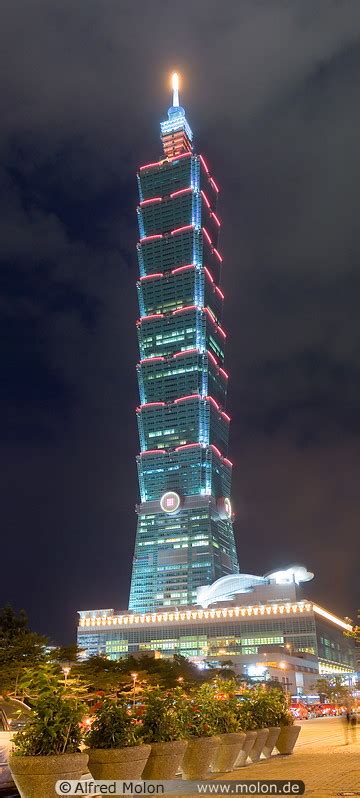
(184, 535)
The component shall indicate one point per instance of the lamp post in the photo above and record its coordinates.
(286, 680)
(134, 677)
(66, 670)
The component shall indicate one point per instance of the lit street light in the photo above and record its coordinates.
(66, 670)
(134, 677)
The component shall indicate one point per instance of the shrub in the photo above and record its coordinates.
(164, 716)
(262, 707)
(54, 729)
(113, 727)
(208, 715)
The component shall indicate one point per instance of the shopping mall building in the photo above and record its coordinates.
(263, 626)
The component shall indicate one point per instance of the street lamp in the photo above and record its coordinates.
(134, 677)
(286, 680)
(66, 670)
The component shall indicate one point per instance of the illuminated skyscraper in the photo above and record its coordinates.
(184, 535)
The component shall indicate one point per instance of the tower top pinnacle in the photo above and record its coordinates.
(176, 134)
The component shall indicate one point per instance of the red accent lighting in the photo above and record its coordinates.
(207, 236)
(149, 201)
(212, 358)
(188, 307)
(181, 191)
(217, 220)
(176, 157)
(182, 268)
(205, 199)
(152, 404)
(151, 276)
(149, 165)
(186, 352)
(204, 164)
(206, 270)
(211, 316)
(218, 255)
(223, 372)
(151, 359)
(215, 404)
(186, 446)
(215, 449)
(226, 460)
(150, 238)
(225, 416)
(219, 291)
(152, 316)
(185, 398)
(153, 451)
(181, 229)
(212, 181)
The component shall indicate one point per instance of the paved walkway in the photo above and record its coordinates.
(321, 759)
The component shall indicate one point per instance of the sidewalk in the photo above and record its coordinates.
(327, 770)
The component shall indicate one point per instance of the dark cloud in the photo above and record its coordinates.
(271, 89)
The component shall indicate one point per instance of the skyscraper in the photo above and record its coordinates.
(184, 534)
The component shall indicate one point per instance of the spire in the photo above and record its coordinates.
(175, 88)
(176, 134)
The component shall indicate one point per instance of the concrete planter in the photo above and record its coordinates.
(246, 748)
(257, 749)
(287, 738)
(228, 752)
(199, 756)
(118, 763)
(165, 760)
(36, 776)
(271, 740)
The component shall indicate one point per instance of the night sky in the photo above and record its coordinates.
(271, 89)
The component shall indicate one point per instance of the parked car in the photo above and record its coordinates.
(13, 716)
(299, 711)
(329, 710)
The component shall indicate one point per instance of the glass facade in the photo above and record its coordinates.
(210, 633)
(184, 534)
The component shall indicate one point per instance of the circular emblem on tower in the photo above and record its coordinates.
(170, 501)
(224, 507)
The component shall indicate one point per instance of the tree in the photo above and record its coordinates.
(333, 690)
(355, 634)
(20, 648)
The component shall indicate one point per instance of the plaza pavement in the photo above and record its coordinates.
(321, 759)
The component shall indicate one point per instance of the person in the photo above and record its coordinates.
(353, 723)
(350, 726)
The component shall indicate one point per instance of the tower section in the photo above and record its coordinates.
(184, 534)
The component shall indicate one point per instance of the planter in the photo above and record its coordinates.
(271, 740)
(247, 746)
(228, 752)
(118, 763)
(287, 738)
(256, 750)
(165, 760)
(199, 756)
(36, 776)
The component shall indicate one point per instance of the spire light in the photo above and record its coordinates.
(175, 89)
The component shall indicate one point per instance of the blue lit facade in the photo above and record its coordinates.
(184, 535)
